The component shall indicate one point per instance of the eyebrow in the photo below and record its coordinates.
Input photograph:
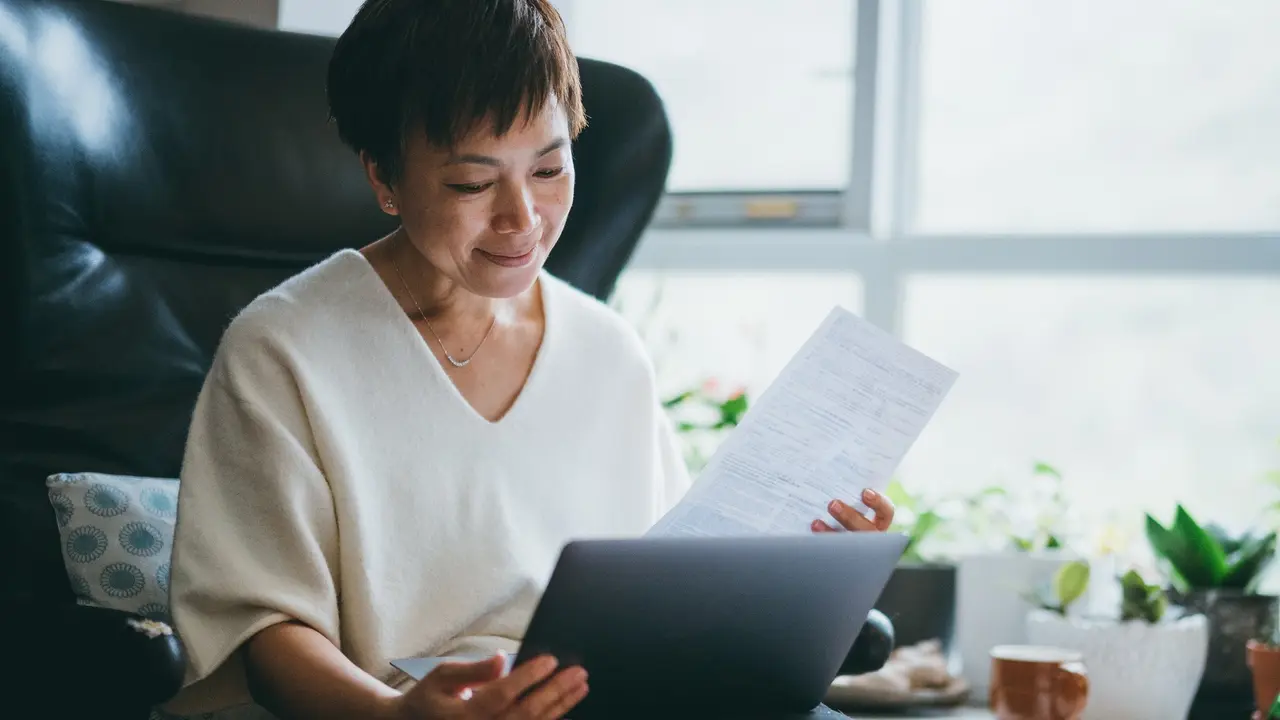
(495, 162)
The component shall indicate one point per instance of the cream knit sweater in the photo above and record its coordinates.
(335, 475)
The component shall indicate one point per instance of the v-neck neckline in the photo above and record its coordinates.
(436, 367)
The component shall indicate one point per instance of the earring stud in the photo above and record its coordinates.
(389, 204)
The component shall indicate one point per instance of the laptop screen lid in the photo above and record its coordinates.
(744, 625)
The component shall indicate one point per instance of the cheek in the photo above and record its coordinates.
(556, 199)
(447, 225)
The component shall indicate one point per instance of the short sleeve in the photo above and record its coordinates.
(256, 537)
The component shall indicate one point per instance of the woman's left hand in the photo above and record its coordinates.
(851, 519)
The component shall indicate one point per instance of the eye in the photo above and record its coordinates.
(471, 188)
(549, 172)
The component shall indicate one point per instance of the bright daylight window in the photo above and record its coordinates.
(759, 92)
(1099, 116)
(735, 329)
(1139, 389)
(1082, 218)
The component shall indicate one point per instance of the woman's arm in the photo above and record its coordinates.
(295, 672)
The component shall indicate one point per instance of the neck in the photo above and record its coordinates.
(439, 299)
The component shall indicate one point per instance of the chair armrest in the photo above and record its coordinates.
(871, 649)
(108, 663)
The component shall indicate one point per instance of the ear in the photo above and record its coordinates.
(382, 191)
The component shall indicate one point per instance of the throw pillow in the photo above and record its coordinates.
(117, 536)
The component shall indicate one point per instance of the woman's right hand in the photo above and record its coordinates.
(479, 691)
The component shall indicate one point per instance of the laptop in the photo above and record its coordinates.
(709, 628)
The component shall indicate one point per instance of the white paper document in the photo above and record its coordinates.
(839, 418)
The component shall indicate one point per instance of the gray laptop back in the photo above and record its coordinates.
(734, 627)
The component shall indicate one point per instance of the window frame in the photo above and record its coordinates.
(865, 229)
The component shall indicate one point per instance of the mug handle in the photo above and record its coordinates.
(1072, 685)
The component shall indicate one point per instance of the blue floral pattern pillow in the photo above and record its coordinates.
(117, 536)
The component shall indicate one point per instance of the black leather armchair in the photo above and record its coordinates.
(158, 171)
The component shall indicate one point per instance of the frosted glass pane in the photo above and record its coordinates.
(1099, 116)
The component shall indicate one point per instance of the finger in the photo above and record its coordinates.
(882, 506)
(454, 677)
(849, 517)
(820, 527)
(541, 702)
(495, 697)
(567, 702)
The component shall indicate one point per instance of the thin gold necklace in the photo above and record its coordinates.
(452, 360)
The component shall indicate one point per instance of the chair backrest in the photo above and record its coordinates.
(157, 172)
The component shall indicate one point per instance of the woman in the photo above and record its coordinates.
(391, 447)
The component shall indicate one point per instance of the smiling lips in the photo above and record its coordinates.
(510, 261)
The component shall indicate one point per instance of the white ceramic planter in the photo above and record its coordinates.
(1137, 671)
(991, 608)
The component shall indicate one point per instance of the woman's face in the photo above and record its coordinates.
(487, 213)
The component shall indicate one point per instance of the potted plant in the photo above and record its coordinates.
(1216, 574)
(920, 597)
(1021, 526)
(1144, 659)
(1263, 658)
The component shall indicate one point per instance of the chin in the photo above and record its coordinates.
(504, 278)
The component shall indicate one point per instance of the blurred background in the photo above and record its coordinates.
(1075, 204)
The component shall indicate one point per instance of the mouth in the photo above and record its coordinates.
(510, 260)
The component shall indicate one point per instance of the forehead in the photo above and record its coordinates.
(527, 131)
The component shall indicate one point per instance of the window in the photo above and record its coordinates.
(1076, 208)
(759, 92)
(738, 329)
(1142, 391)
(320, 17)
(1099, 116)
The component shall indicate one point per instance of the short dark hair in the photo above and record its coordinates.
(445, 67)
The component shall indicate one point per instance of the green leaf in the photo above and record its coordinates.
(1053, 543)
(899, 496)
(1208, 554)
(1070, 582)
(1140, 601)
(1132, 586)
(1274, 712)
(926, 524)
(1047, 469)
(1245, 566)
(1229, 543)
(732, 410)
(678, 399)
(1184, 550)
(1021, 544)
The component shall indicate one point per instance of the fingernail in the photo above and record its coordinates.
(869, 495)
(549, 663)
(837, 506)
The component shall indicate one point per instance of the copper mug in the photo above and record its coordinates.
(1030, 682)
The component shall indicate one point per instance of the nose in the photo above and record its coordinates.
(517, 211)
